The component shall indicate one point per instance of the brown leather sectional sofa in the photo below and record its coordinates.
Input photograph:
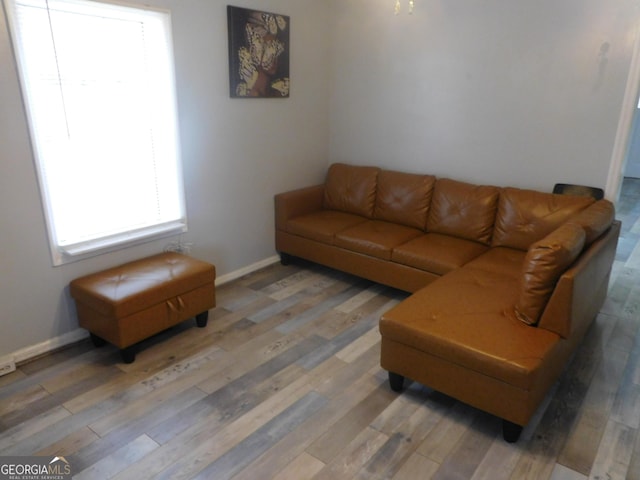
(506, 281)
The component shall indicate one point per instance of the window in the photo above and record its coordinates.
(98, 85)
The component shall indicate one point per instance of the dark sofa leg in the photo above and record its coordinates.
(285, 259)
(511, 431)
(97, 341)
(128, 354)
(396, 382)
(202, 318)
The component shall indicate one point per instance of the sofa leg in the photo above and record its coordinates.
(396, 382)
(285, 259)
(511, 431)
(97, 341)
(128, 354)
(202, 318)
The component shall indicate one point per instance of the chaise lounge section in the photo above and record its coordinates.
(505, 281)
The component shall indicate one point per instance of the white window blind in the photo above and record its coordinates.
(98, 84)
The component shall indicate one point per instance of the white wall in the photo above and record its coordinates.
(495, 91)
(237, 154)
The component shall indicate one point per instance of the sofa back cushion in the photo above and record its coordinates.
(543, 264)
(351, 188)
(526, 216)
(403, 198)
(595, 219)
(463, 210)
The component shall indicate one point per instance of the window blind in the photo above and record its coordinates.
(98, 84)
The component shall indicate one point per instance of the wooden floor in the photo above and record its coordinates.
(285, 383)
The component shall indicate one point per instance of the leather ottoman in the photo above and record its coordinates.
(129, 303)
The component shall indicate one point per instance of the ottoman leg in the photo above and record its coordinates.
(202, 318)
(128, 354)
(286, 259)
(396, 382)
(97, 341)
(511, 431)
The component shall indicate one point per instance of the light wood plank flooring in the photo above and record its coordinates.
(285, 383)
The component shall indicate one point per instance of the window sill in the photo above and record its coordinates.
(80, 251)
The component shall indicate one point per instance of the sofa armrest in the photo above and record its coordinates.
(292, 204)
(581, 290)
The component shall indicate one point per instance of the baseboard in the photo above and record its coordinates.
(74, 336)
(228, 277)
(50, 345)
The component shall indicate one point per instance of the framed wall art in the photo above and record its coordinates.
(258, 53)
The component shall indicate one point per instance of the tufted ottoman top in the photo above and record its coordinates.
(134, 286)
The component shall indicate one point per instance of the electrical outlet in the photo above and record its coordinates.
(7, 366)
(179, 246)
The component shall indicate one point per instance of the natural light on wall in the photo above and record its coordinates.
(398, 7)
(98, 84)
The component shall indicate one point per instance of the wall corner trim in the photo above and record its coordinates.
(625, 124)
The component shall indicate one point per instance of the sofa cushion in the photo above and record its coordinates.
(437, 253)
(350, 188)
(323, 225)
(463, 210)
(526, 216)
(595, 219)
(503, 260)
(545, 261)
(466, 317)
(403, 198)
(375, 238)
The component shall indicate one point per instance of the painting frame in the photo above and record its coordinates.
(258, 53)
